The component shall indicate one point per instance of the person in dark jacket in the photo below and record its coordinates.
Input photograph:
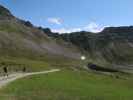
(5, 70)
(24, 69)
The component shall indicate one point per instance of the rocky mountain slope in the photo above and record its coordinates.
(20, 38)
(111, 48)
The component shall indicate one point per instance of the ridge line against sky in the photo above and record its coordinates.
(67, 16)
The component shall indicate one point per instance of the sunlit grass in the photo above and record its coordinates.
(69, 85)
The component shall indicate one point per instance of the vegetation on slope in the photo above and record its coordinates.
(5, 12)
(21, 39)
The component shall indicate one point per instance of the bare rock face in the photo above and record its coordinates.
(111, 48)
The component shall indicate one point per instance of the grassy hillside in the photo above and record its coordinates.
(25, 41)
(69, 85)
(20, 41)
(15, 64)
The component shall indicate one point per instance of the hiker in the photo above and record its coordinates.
(24, 69)
(5, 70)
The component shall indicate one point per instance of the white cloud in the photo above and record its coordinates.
(64, 30)
(53, 20)
(91, 27)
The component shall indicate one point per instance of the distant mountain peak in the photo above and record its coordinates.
(121, 29)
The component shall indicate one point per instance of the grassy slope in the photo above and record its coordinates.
(69, 85)
(32, 65)
(17, 64)
(13, 48)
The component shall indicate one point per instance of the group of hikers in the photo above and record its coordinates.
(6, 71)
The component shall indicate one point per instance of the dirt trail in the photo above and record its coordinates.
(4, 80)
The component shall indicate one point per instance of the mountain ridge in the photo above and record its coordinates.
(111, 48)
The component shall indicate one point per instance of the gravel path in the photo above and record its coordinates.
(4, 80)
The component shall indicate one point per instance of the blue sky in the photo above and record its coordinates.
(73, 15)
